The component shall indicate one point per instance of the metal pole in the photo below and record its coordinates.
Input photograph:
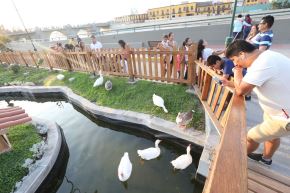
(170, 14)
(229, 39)
(23, 25)
(233, 18)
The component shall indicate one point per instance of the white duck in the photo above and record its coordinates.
(125, 168)
(60, 77)
(99, 80)
(158, 101)
(182, 161)
(150, 153)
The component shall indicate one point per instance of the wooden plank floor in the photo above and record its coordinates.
(262, 178)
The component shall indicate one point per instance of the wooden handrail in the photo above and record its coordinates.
(228, 170)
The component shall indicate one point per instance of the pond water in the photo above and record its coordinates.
(96, 148)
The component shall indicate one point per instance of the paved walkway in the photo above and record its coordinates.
(281, 48)
(274, 178)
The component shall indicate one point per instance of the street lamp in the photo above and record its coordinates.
(23, 25)
(229, 39)
(170, 13)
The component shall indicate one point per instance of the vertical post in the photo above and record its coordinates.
(21, 56)
(206, 87)
(130, 69)
(47, 59)
(67, 60)
(31, 54)
(191, 71)
(229, 39)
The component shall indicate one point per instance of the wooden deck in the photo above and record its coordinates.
(268, 179)
(10, 116)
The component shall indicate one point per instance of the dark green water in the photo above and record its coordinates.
(96, 150)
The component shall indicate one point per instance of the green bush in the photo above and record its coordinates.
(39, 61)
(15, 68)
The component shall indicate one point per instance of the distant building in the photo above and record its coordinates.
(134, 18)
(208, 8)
(255, 2)
(190, 9)
(172, 11)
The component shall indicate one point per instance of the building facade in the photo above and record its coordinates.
(190, 9)
(208, 8)
(172, 11)
(134, 18)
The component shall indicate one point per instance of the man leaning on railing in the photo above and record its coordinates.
(268, 74)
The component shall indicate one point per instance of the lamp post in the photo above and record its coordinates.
(229, 39)
(170, 13)
(23, 25)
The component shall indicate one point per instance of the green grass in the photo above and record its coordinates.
(137, 97)
(22, 137)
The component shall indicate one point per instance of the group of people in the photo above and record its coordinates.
(267, 74)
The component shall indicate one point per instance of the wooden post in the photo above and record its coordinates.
(206, 86)
(31, 54)
(67, 61)
(130, 70)
(47, 59)
(192, 52)
(22, 57)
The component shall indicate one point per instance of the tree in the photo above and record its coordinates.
(280, 4)
(3, 41)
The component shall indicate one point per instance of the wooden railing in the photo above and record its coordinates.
(141, 63)
(228, 170)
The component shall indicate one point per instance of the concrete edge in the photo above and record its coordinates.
(208, 152)
(197, 137)
(32, 182)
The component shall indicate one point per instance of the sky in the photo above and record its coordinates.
(46, 13)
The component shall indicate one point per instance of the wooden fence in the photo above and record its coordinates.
(228, 170)
(141, 63)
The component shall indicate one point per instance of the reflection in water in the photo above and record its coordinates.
(73, 188)
(125, 184)
(96, 148)
(9, 104)
(59, 104)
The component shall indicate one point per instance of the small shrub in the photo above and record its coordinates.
(15, 68)
(39, 61)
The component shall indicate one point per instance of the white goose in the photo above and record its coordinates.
(182, 161)
(60, 77)
(158, 101)
(150, 153)
(99, 80)
(125, 168)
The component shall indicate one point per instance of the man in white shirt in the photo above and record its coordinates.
(95, 45)
(238, 27)
(268, 73)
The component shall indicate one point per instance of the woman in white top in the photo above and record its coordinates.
(172, 44)
(203, 53)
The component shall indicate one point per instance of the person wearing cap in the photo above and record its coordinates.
(95, 45)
